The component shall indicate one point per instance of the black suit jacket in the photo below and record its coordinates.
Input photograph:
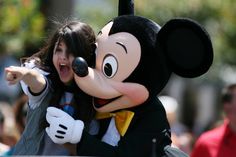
(149, 122)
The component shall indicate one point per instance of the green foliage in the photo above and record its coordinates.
(216, 16)
(21, 25)
(96, 12)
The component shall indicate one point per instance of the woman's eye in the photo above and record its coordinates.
(109, 66)
(57, 50)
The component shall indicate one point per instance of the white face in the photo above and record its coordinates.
(62, 61)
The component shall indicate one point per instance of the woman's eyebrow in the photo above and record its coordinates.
(122, 45)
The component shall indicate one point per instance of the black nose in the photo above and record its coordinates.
(80, 67)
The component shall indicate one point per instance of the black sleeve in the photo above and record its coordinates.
(37, 94)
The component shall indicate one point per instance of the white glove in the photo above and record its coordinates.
(63, 128)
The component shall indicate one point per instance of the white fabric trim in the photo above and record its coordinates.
(35, 101)
(112, 135)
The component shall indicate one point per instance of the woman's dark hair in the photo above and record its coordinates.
(80, 41)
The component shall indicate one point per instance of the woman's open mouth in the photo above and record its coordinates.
(64, 69)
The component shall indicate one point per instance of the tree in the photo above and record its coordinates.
(21, 25)
(218, 18)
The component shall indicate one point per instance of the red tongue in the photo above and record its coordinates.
(63, 69)
(101, 101)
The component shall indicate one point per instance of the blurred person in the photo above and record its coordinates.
(1, 122)
(20, 111)
(171, 106)
(221, 140)
(6, 140)
(7, 93)
(180, 135)
(3, 147)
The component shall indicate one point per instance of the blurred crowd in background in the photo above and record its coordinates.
(192, 105)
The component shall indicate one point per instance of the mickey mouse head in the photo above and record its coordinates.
(135, 58)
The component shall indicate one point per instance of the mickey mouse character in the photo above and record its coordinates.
(135, 58)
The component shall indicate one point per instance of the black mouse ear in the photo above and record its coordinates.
(126, 7)
(187, 47)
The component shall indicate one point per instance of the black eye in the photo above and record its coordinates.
(109, 66)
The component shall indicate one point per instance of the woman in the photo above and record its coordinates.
(48, 80)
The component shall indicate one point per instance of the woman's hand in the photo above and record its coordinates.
(31, 77)
(15, 74)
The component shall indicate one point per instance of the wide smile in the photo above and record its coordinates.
(98, 102)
